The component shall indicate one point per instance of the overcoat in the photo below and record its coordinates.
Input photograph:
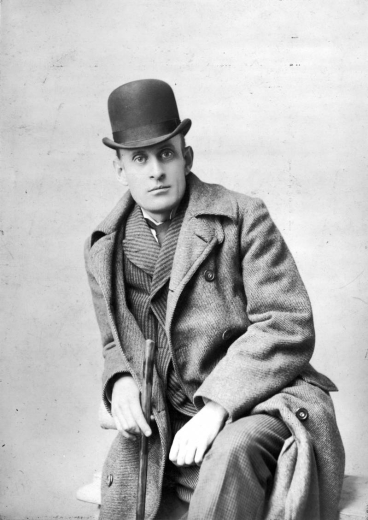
(240, 331)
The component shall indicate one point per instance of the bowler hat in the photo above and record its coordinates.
(143, 113)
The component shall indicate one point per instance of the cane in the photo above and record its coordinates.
(146, 407)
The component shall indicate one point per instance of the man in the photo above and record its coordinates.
(243, 427)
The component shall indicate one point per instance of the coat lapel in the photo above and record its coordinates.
(198, 236)
(102, 254)
(196, 241)
(103, 244)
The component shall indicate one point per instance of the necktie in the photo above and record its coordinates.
(161, 229)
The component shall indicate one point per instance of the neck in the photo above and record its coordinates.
(158, 218)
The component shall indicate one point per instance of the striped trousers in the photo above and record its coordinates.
(236, 476)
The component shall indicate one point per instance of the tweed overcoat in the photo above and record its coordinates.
(240, 330)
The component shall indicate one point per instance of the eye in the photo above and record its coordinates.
(140, 159)
(167, 154)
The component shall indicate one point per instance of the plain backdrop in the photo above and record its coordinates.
(277, 91)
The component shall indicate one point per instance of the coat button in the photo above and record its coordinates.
(302, 414)
(227, 334)
(209, 275)
(109, 480)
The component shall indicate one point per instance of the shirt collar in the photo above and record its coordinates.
(145, 215)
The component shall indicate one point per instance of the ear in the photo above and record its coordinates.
(120, 172)
(188, 158)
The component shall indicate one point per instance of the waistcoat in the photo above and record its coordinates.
(147, 276)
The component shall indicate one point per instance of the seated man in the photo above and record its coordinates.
(243, 427)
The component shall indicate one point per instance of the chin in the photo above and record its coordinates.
(167, 206)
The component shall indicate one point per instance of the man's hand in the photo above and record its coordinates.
(195, 438)
(126, 408)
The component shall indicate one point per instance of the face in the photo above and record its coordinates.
(156, 175)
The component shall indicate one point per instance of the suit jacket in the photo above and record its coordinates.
(239, 327)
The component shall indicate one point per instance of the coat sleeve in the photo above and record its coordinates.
(280, 339)
(114, 359)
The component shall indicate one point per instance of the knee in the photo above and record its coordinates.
(251, 443)
(238, 439)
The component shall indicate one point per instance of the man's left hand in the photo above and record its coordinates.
(196, 437)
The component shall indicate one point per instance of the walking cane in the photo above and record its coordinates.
(146, 407)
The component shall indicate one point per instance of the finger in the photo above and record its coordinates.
(128, 435)
(117, 423)
(200, 453)
(180, 459)
(139, 419)
(132, 429)
(127, 423)
(120, 428)
(118, 418)
(130, 425)
(174, 449)
(190, 454)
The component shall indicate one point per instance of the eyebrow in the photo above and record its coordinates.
(159, 149)
(169, 146)
(137, 151)
(166, 145)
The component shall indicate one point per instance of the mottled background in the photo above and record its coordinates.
(277, 91)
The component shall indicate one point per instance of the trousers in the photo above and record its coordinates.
(236, 475)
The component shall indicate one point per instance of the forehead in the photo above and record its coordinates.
(174, 143)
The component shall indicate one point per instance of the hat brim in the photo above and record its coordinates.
(183, 128)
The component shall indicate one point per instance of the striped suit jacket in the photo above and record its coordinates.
(147, 268)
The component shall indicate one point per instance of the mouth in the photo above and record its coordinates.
(160, 187)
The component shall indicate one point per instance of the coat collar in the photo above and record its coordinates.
(209, 199)
(197, 238)
(112, 222)
(204, 199)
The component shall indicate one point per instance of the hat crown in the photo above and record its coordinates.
(143, 113)
(140, 103)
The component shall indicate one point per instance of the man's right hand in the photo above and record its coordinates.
(126, 408)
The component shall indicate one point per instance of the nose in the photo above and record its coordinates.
(156, 169)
